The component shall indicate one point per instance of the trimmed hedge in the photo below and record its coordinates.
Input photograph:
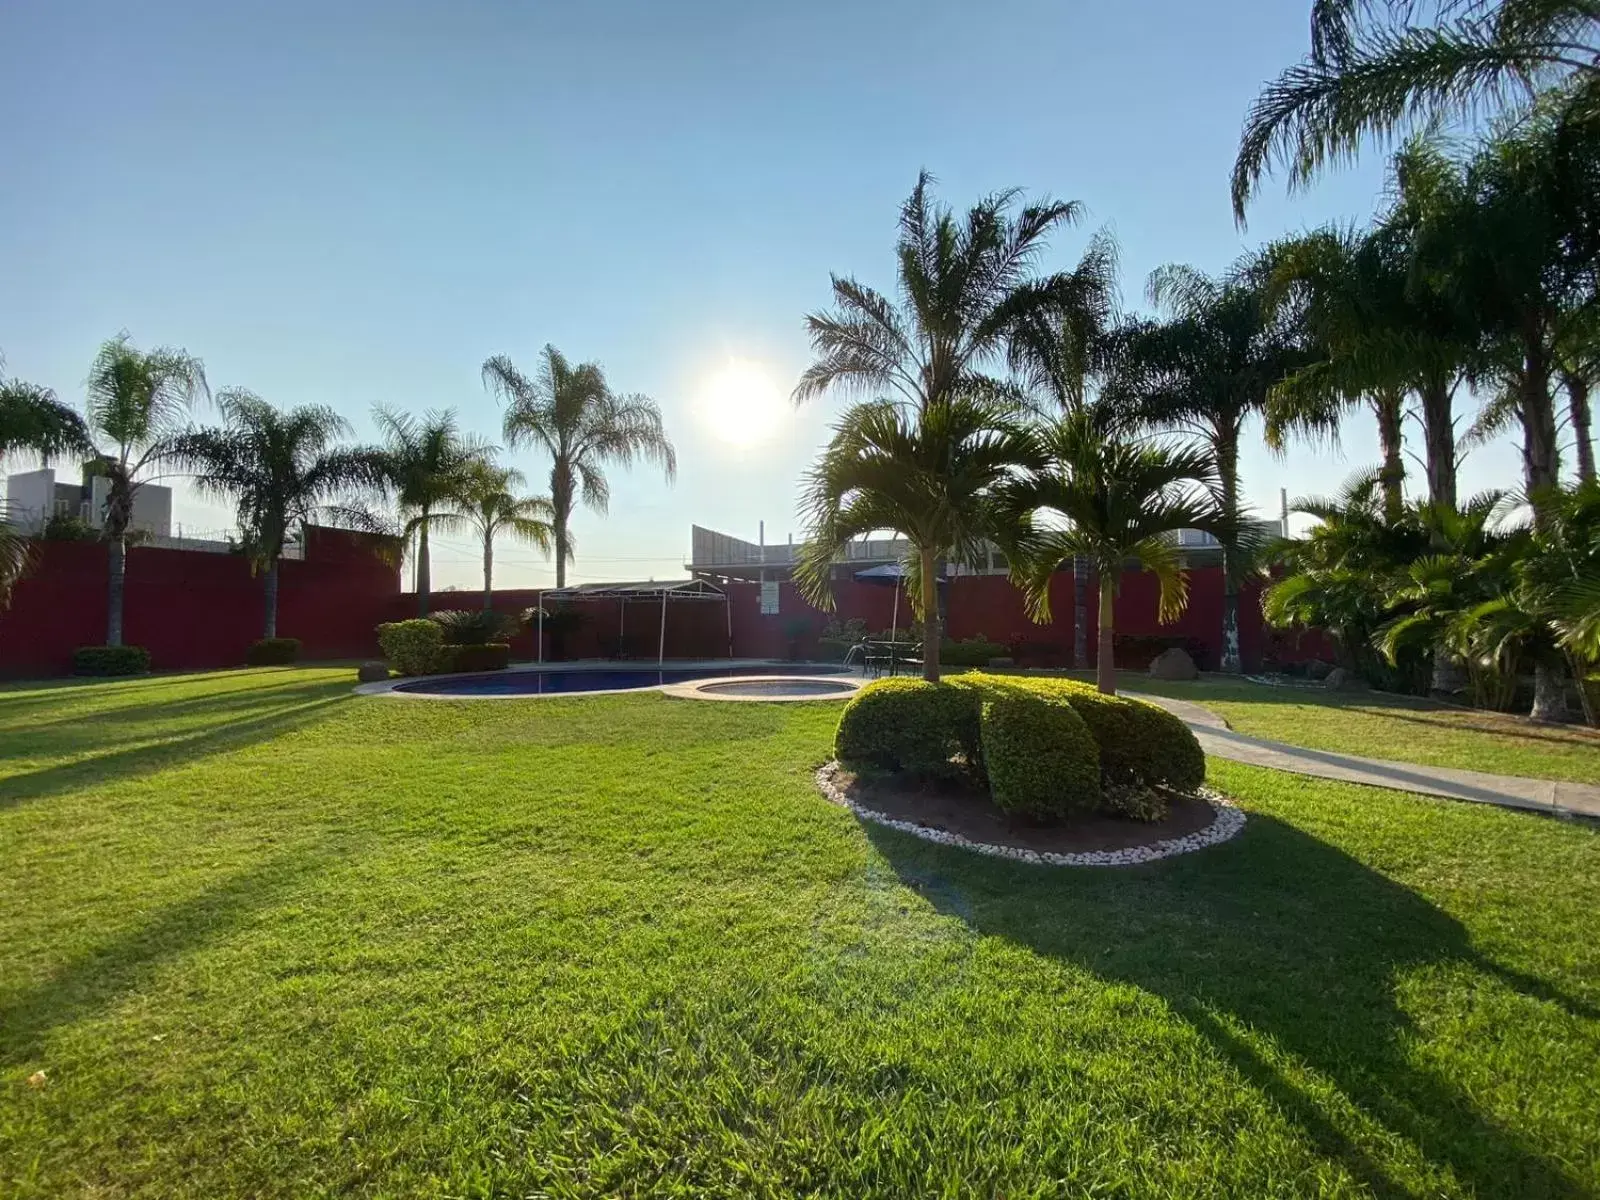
(941, 728)
(491, 656)
(272, 652)
(110, 660)
(910, 725)
(414, 647)
(1039, 754)
(972, 652)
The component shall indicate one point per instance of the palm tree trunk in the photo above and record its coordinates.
(1080, 612)
(1105, 670)
(1228, 470)
(271, 622)
(1439, 440)
(561, 511)
(1578, 398)
(117, 586)
(932, 633)
(1392, 475)
(1549, 693)
(1540, 456)
(424, 571)
(488, 571)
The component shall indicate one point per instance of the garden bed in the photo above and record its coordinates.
(958, 812)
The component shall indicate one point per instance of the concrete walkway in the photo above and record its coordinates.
(1508, 791)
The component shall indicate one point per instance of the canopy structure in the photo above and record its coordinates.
(675, 590)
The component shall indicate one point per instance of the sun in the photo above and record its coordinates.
(741, 403)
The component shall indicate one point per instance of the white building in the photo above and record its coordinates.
(33, 497)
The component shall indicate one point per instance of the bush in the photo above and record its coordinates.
(474, 626)
(65, 527)
(272, 652)
(972, 652)
(110, 660)
(1039, 754)
(1135, 803)
(1168, 754)
(910, 725)
(494, 656)
(414, 647)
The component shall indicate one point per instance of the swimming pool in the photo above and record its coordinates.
(600, 679)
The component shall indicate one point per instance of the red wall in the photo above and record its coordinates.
(196, 610)
(192, 609)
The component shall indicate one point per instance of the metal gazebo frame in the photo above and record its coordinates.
(674, 590)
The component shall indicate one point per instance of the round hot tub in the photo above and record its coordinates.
(771, 687)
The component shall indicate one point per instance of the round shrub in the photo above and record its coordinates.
(1170, 753)
(492, 656)
(909, 725)
(1039, 754)
(272, 652)
(414, 647)
(110, 660)
(372, 672)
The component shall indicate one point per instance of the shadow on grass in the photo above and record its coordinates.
(97, 979)
(282, 713)
(1280, 934)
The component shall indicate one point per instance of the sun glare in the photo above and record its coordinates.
(742, 404)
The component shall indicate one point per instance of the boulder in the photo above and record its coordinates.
(1341, 680)
(372, 672)
(1318, 669)
(1173, 664)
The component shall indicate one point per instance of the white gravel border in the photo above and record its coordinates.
(1229, 821)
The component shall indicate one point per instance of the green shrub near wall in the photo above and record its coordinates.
(414, 647)
(272, 652)
(110, 660)
(492, 656)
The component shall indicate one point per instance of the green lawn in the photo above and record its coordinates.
(265, 938)
(1398, 727)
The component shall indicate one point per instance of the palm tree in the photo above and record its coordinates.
(574, 415)
(426, 462)
(32, 421)
(967, 294)
(1092, 494)
(137, 402)
(929, 474)
(488, 502)
(1065, 357)
(1207, 370)
(1371, 73)
(281, 470)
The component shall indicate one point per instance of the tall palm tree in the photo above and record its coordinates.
(282, 470)
(584, 426)
(1205, 371)
(1372, 73)
(967, 291)
(1093, 494)
(929, 474)
(33, 422)
(137, 402)
(488, 502)
(1064, 357)
(426, 461)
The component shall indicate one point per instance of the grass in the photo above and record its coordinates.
(265, 938)
(1379, 725)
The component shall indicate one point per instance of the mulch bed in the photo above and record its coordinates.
(957, 807)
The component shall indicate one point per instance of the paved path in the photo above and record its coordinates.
(1508, 791)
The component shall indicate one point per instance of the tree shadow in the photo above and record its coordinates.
(283, 715)
(98, 978)
(1285, 936)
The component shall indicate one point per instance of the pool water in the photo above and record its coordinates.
(607, 679)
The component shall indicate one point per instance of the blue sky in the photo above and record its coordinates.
(357, 203)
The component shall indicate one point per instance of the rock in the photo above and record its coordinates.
(1318, 669)
(373, 672)
(1173, 664)
(1341, 680)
